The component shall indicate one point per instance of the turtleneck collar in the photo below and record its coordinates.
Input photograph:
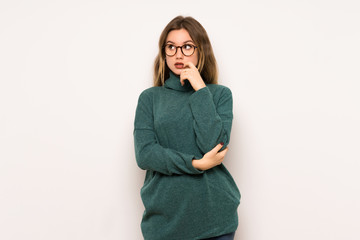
(173, 82)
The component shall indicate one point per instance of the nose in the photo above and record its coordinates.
(179, 53)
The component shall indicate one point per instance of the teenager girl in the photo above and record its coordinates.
(182, 129)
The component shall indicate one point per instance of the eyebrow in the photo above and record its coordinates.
(183, 42)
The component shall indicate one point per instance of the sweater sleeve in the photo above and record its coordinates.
(150, 155)
(212, 120)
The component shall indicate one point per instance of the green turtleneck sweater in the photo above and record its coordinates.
(174, 125)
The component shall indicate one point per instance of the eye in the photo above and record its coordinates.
(170, 47)
(188, 46)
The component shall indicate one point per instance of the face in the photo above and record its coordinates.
(179, 38)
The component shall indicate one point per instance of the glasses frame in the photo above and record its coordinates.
(195, 47)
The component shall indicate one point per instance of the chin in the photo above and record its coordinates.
(176, 71)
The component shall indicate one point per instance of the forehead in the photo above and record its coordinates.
(178, 36)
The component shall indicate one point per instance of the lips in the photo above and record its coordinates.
(179, 65)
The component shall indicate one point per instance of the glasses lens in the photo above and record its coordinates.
(188, 49)
(170, 50)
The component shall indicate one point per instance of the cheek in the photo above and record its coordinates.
(195, 60)
(169, 60)
(168, 63)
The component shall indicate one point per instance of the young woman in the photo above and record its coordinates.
(182, 129)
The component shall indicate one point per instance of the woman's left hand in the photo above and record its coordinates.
(191, 73)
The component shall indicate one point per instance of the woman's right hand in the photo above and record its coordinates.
(211, 158)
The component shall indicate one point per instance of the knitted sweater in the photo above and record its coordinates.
(174, 125)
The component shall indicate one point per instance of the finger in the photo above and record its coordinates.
(217, 147)
(183, 76)
(223, 152)
(189, 65)
(187, 74)
(219, 159)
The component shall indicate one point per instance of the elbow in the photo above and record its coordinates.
(144, 155)
(140, 160)
(208, 146)
(140, 157)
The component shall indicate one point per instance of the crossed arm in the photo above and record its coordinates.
(212, 126)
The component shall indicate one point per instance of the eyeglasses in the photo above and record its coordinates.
(186, 49)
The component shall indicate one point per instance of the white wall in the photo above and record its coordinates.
(70, 76)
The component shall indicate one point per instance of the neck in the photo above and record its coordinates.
(173, 82)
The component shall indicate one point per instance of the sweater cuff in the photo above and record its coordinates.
(201, 95)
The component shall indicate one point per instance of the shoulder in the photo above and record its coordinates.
(149, 93)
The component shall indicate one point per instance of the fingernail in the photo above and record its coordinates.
(222, 144)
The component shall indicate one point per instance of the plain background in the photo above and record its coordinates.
(70, 76)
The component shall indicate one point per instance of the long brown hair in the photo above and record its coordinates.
(207, 63)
